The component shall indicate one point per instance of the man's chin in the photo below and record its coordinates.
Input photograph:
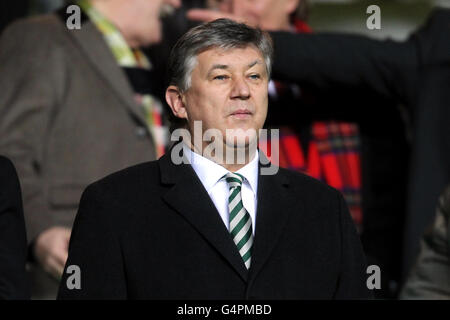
(241, 142)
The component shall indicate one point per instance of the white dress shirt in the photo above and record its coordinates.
(210, 174)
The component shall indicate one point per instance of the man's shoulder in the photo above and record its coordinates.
(131, 175)
(308, 197)
(305, 184)
(6, 164)
(129, 180)
(32, 26)
(7, 171)
(34, 35)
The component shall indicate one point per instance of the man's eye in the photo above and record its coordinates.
(221, 77)
(255, 76)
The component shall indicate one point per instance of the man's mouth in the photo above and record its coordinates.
(242, 113)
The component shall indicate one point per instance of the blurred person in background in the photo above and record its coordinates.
(414, 73)
(174, 26)
(13, 243)
(327, 133)
(76, 105)
(430, 277)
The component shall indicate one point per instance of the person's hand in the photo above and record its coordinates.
(51, 250)
(205, 15)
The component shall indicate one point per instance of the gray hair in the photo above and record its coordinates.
(221, 33)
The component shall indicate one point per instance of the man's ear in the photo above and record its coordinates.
(291, 6)
(174, 99)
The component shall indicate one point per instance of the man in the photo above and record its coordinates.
(214, 228)
(76, 104)
(325, 133)
(13, 242)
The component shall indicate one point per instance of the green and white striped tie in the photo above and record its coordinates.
(240, 220)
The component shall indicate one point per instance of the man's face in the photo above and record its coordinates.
(228, 90)
(266, 14)
(145, 15)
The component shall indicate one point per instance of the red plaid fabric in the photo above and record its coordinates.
(333, 155)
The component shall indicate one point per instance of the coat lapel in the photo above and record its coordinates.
(273, 209)
(188, 197)
(97, 52)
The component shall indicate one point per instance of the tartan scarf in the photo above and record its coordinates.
(333, 154)
(137, 69)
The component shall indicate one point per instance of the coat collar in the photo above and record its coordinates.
(275, 203)
(188, 197)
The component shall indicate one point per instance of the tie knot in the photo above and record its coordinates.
(234, 179)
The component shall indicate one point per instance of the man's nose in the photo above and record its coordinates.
(240, 89)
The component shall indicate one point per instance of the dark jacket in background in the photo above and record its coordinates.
(415, 73)
(13, 242)
(384, 154)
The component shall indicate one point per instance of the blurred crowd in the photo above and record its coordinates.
(365, 116)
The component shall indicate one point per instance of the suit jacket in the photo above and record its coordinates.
(13, 243)
(152, 232)
(67, 117)
(415, 72)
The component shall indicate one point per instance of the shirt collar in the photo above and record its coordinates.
(250, 172)
(210, 172)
